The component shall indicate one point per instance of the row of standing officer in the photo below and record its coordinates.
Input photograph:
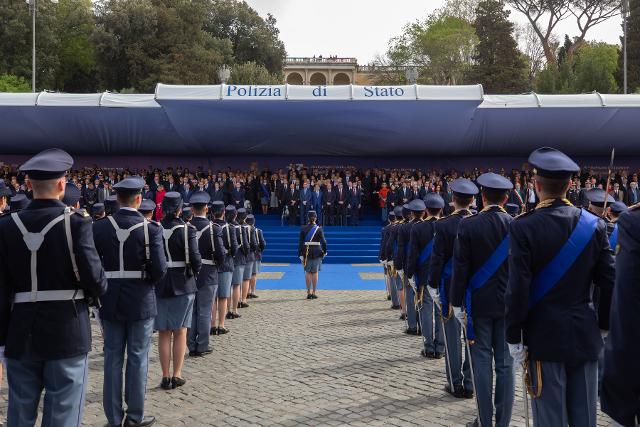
(521, 291)
(125, 262)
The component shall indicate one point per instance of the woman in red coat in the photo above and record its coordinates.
(159, 196)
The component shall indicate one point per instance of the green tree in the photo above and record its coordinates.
(252, 38)
(142, 42)
(12, 83)
(633, 50)
(499, 66)
(251, 73)
(595, 68)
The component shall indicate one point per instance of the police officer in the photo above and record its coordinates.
(250, 257)
(18, 203)
(260, 245)
(147, 208)
(49, 268)
(225, 269)
(211, 250)
(132, 253)
(557, 252)
(440, 271)
(621, 380)
(312, 248)
(176, 291)
(400, 263)
(71, 196)
(97, 211)
(480, 273)
(239, 261)
(615, 210)
(391, 248)
(420, 250)
(392, 293)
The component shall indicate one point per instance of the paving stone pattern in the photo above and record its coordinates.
(339, 360)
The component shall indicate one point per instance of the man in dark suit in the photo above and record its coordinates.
(237, 196)
(305, 201)
(632, 194)
(129, 306)
(355, 203)
(328, 205)
(317, 202)
(217, 194)
(618, 193)
(342, 198)
(147, 193)
(291, 201)
(531, 198)
(404, 194)
(49, 271)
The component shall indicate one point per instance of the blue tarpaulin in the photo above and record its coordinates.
(583, 125)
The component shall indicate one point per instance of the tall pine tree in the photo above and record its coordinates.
(633, 50)
(499, 65)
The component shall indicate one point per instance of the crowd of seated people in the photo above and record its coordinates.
(339, 195)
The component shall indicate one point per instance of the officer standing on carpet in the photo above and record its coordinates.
(49, 269)
(619, 397)
(400, 263)
(440, 271)
(211, 250)
(480, 274)
(420, 250)
(312, 248)
(260, 246)
(225, 269)
(392, 293)
(557, 252)
(391, 248)
(132, 253)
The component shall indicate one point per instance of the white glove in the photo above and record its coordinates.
(412, 282)
(603, 334)
(399, 271)
(435, 295)
(518, 352)
(460, 315)
(301, 258)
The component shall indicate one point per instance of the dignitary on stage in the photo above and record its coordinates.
(132, 254)
(176, 290)
(50, 272)
(312, 248)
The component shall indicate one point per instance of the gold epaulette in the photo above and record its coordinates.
(500, 208)
(548, 202)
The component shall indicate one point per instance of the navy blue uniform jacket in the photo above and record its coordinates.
(230, 245)
(130, 299)
(421, 234)
(315, 251)
(210, 249)
(562, 327)
(620, 395)
(446, 230)
(51, 330)
(178, 280)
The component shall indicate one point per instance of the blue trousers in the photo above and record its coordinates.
(409, 299)
(64, 382)
(392, 290)
(569, 394)
(135, 337)
(491, 346)
(460, 372)
(430, 325)
(198, 338)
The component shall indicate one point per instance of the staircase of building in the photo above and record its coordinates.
(345, 245)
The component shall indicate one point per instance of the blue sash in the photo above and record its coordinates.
(613, 239)
(482, 276)
(426, 253)
(446, 275)
(551, 274)
(310, 233)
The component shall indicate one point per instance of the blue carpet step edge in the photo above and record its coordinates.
(328, 260)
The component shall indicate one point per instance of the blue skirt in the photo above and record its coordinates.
(248, 271)
(174, 312)
(224, 284)
(257, 266)
(313, 265)
(238, 274)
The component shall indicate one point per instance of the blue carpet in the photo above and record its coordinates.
(332, 277)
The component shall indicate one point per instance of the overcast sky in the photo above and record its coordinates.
(362, 28)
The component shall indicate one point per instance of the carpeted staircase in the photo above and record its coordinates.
(345, 245)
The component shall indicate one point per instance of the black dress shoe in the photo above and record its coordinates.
(243, 305)
(474, 423)
(457, 392)
(235, 315)
(213, 331)
(195, 354)
(166, 383)
(411, 331)
(388, 297)
(145, 422)
(254, 296)
(468, 394)
(177, 382)
(395, 307)
(249, 296)
(439, 355)
(309, 296)
(314, 296)
(222, 331)
(403, 316)
(208, 350)
(229, 315)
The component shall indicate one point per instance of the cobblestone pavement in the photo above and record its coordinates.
(339, 360)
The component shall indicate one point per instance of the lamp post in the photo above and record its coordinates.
(224, 73)
(32, 8)
(625, 15)
(411, 74)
